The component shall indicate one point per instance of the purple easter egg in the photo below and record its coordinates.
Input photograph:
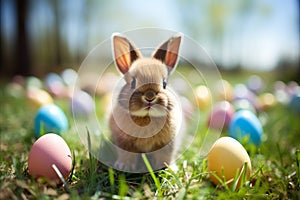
(220, 115)
(187, 107)
(255, 84)
(292, 88)
(242, 92)
(82, 104)
(54, 84)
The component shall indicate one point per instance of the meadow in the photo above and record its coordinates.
(275, 163)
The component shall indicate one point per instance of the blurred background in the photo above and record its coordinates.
(42, 36)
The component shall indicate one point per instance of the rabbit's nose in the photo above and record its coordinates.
(150, 95)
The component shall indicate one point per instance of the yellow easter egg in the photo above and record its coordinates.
(38, 98)
(106, 103)
(226, 159)
(203, 97)
(266, 101)
(224, 90)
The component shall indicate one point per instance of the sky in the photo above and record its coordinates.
(257, 39)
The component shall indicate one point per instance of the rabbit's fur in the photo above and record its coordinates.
(147, 115)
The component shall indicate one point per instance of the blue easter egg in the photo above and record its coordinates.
(50, 118)
(295, 104)
(245, 124)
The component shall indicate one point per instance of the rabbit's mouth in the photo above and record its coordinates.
(149, 106)
(144, 104)
(150, 109)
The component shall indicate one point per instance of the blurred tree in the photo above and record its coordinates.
(23, 64)
(298, 20)
(57, 36)
(1, 47)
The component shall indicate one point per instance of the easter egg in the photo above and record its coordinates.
(245, 124)
(69, 77)
(243, 104)
(106, 103)
(14, 90)
(19, 80)
(38, 98)
(224, 90)
(266, 101)
(291, 88)
(203, 97)
(220, 115)
(50, 118)
(106, 84)
(226, 158)
(180, 85)
(279, 85)
(54, 84)
(82, 104)
(33, 82)
(294, 104)
(187, 107)
(281, 96)
(242, 92)
(255, 84)
(48, 150)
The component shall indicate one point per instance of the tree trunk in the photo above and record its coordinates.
(22, 56)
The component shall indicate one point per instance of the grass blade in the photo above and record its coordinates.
(240, 178)
(91, 158)
(60, 176)
(298, 165)
(123, 187)
(73, 167)
(111, 179)
(156, 181)
(175, 176)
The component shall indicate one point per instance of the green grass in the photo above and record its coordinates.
(275, 163)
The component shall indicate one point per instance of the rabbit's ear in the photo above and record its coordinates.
(168, 51)
(125, 53)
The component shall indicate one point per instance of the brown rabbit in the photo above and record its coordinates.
(147, 115)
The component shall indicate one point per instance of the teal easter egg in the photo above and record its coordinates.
(294, 104)
(33, 82)
(69, 77)
(50, 118)
(243, 104)
(245, 124)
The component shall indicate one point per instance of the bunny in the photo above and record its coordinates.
(147, 114)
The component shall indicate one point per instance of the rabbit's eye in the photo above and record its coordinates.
(133, 83)
(164, 84)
